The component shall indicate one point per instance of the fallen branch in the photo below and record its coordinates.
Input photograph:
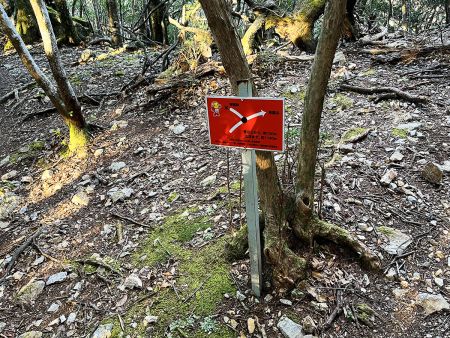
(390, 93)
(130, 220)
(94, 262)
(337, 310)
(197, 289)
(406, 55)
(371, 39)
(19, 251)
(12, 93)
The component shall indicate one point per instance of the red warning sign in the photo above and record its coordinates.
(246, 122)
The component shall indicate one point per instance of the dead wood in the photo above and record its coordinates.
(387, 93)
(94, 262)
(19, 251)
(12, 93)
(337, 310)
(116, 215)
(99, 41)
(372, 39)
(407, 55)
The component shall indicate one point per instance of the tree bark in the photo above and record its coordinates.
(114, 23)
(72, 116)
(69, 33)
(405, 15)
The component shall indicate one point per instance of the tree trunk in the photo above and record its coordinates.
(26, 24)
(158, 21)
(281, 212)
(249, 40)
(447, 12)
(405, 15)
(114, 23)
(72, 116)
(69, 33)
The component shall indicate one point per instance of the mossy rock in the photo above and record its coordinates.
(353, 134)
(342, 101)
(400, 133)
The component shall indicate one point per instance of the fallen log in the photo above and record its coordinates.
(408, 55)
(387, 93)
(12, 93)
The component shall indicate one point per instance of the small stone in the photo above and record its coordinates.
(26, 179)
(98, 152)
(57, 278)
(289, 328)
(399, 293)
(208, 180)
(416, 276)
(46, 175)
(4, 225)
(233, 323)
(150, 320)
(31, 334)
(404, 284)
(9, 175)
(320, 306)
(62, 319)
(269, 297)
(18, 275)
(309, 325)
(38, 260)
(240, 296)
(117, 194)
(178, 129)
(2, 326)
(285, 302)
(251, 325)
(86, 55)
(4, 161)
(432, 303)
(53, 307)
(119, 125)
(397, 156)
(397, 240)
(365, 227)
(103, 331)
(388, 177)
(439, 282)
(71, 318)
(80, 198)
(31, 291)
(409, 126)
(432, 173)
(132, 281)
(117, 166)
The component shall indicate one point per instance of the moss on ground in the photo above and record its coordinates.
(342, 101)
(352, 133)
(400, 133)
(202, 282)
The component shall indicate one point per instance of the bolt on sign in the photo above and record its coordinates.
(246, 122)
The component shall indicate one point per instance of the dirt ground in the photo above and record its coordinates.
(135, 232)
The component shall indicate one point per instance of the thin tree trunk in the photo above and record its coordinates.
(114, 23)
(14, 37)
(405, 15)
(447, 12)
(320, 74)
(73, 117)
(68, 30)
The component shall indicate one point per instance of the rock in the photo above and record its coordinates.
(4, 225)
(57, 278)
(439, 282)
(71, 318)
(446, 167)
(119, 124)
(53, 307)
(320, 306)
(103, 331)
(251, 325)
(132, 281)
(268, 298)
(233, 323)
(98, 152)
(365, 227)
(117, 166)
(9, 202)
(240, 296)
(2, 326)
(399, 293)
(31, 291)
(46, 175)
(9, 175)
(397, 240)
(31, 334)
(208, 180)
(150, 320)
(388, 177)
(117, 194)
(391, 274)
(38, 261)
(340, 58)
(80, 198)
(309, 325)
(432, 173)
(178, 129)
(396, 156)
(4, 161)
(432, 303)
(26, 179)
(289, 328)
(285, 302)
(409, 126)
(86, 55)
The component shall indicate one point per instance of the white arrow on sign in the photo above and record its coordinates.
(244, 119)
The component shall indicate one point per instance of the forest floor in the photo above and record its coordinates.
(129, 241)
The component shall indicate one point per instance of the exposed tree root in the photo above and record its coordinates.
(387, 93)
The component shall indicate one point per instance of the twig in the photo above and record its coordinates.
(197, 289)
(130, 220)
(94, 262)
(337, 310)
(19, 251)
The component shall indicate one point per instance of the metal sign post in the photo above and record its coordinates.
(251, 205)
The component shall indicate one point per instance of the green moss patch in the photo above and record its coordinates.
(353, 133)
(202, 282)
(400, 133)
(342, 101)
